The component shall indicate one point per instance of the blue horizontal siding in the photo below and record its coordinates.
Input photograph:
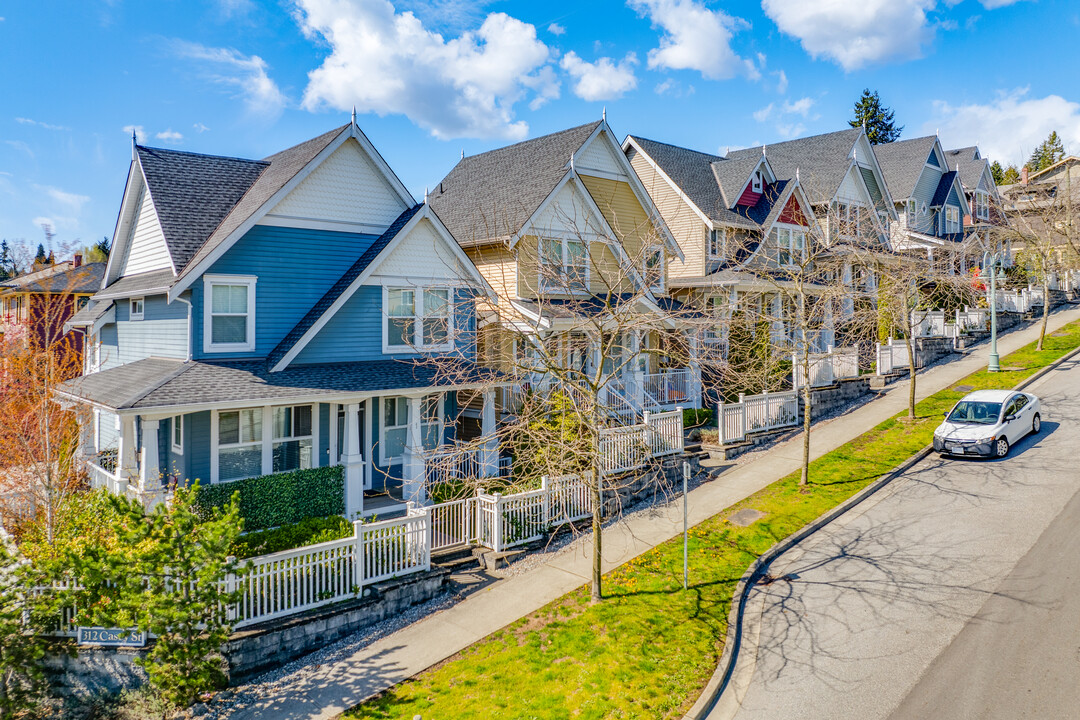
(294, 266)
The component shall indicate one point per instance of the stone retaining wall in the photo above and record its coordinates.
(826, 399)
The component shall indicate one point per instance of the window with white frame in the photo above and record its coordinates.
(240, 435)
(653, 268)
(717, 238)
(178, 434)
(292, 448)
(395, 427)
(135, 306)
(912, 211)
(431, 421)
(790, 245)
(952, 219)
(564, 264)
(756, 182)
(229, 314)
(418, 318)
(982, 205)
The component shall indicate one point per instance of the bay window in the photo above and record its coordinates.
(229, 313)
(417, 318)
(564, 265)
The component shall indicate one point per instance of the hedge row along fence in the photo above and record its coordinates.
(280, 499)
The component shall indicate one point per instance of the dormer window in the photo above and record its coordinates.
(755, 183)
(417, 319)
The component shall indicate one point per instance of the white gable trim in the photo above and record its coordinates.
(749, 177)
(628, 142)
(191, 273)
(424, 213)
(125, 222)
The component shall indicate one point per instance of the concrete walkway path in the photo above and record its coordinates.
(331, 689)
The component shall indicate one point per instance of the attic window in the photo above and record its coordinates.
(755, 184)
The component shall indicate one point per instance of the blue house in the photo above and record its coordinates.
(276, 315)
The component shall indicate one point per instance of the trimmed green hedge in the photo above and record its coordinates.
(280, 499)
(692, 418)
(311, 531)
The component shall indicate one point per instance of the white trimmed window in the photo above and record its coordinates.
(135, 305)
(293, 439)
(228, 313)
(952, 219)
(912, 211)
(982, 205)
(240, 434)
(395, 426)
(653, 269)
(564, 265)
(431, 421)
(756, 183)
(717, 239)
(790, 245)
(178, 434)
(418, 319)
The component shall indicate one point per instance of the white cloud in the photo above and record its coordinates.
(603, 79)
(38, 123)
(784, 113)
(199, 127)
(70, 200)
(20, 146)
(781, 81)
(672, 87)
(994, 4)
(246, 74)
(764, 113)
(384, 62)
(556, 29)
(799, 107)
(169, 135)
(1009, 127)
(42, 220)
(140, 133)
(234, 8)
(854, 33)
(695, 38)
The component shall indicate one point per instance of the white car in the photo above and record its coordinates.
(987, 423)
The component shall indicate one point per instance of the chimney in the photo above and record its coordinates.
(1024, 175)
(77, 260)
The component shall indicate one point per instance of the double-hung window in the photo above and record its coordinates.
(791, 246)
(982, 205)
(912, 212)
(292, 438)
(564, 265)
(653, 269)
(418, 318)
(135, 306)
(952, 219)
(717, 236)
(240, 443)
(178, 434)
(229, 315)
(395, 429)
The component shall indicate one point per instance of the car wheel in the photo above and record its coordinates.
(1001, 447)
(1036, 424)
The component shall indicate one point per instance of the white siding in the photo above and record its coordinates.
(345, 188)
(146, 245)
(422, 254)
(567, 214)
(599, 155)
(851, 190)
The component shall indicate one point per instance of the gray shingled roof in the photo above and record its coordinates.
(82, 279)
(89, 315)
(822, 161)
(943, 188)
(134, 285)
(693, 173)
(493, 194)
(971, 170)
(340, 286)
(279, 169)
(193, 193)
(159, 383)
(902, 163)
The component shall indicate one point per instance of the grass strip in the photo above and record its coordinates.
(649, 649)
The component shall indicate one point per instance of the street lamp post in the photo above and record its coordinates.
(991, 263)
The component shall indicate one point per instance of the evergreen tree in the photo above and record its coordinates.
(24, 616)
(876, 118)
(1047, 153)
(51, 260)
(1011, 176)
(40, 258)
(997, 172)
(7, 269)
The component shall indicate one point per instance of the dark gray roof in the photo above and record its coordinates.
(732, 173)
(83, 279)
(134, 285)
(278, 170)
(971, 170)
(340, 286)
(193, 193)
(902, 163)
(822, 161)
(493, 194)
(943, 188)
(159, 383)
(693, 173)
(89, 315)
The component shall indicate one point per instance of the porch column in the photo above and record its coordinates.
(127, 467)
(491, 440)
(637, 372)
(695, 388)
(412, 465)
(149, 468)
(353, 462)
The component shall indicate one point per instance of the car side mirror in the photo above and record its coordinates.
(945, 414)
(1010, 418)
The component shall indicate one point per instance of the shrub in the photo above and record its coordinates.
(82, 519)
(310, 531)
(281, 499)
(696, 418)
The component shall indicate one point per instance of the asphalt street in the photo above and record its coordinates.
(953, 593)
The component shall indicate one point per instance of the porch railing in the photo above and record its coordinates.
(455, 462)
(826, 368)
(892, 356)
(756, 413)
(665, 389)
(623, 449)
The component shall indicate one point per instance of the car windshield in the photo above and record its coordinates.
(975, 413)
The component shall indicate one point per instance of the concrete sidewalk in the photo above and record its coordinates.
(329, 690)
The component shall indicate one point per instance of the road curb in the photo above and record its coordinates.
(720, 680)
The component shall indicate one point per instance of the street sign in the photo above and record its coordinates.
(110, 637)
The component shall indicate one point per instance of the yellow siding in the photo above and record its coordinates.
(498, 266)
(686, 225)
(631, 223)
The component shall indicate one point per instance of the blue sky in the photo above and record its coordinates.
(431, 79)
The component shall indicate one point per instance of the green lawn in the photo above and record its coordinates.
(649, 648)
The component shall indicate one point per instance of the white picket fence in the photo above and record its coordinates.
(754, 413)
(973, 318)
(1018, 301)
(827, 367)
(623, 449)
(892, 356)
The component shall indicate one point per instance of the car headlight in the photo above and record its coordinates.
(988, 440)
